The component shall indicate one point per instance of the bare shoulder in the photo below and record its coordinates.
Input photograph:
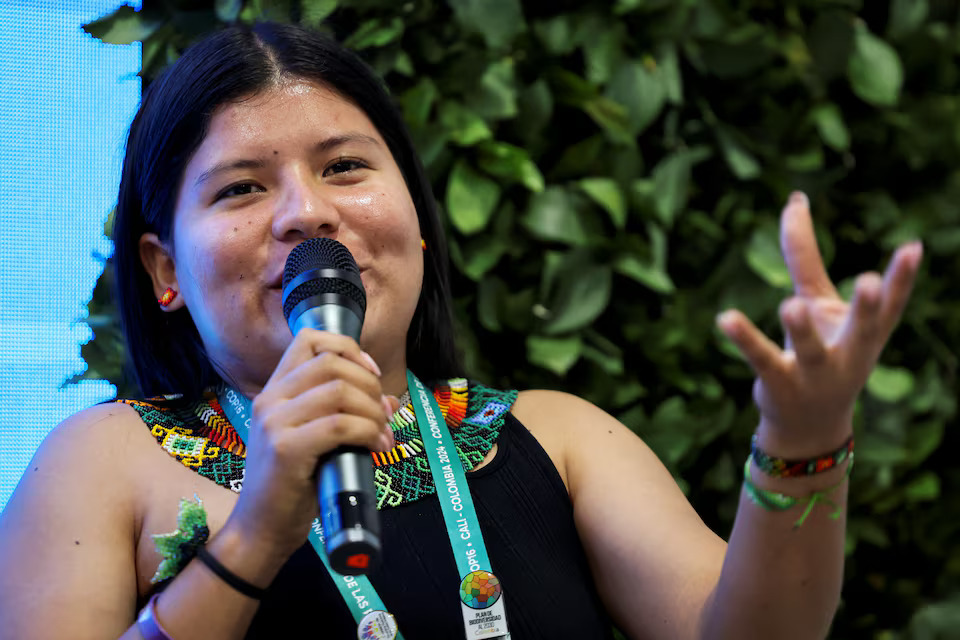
(638, 530)
(574, 432)
(93, 444)
(73, 516)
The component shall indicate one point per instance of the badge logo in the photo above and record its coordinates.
(377, 625)
(480, 589)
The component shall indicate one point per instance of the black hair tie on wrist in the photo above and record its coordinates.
(228, 576)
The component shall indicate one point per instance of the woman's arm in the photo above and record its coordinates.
(68, 541)
(69, 529)
(68, 537)
(660, 571)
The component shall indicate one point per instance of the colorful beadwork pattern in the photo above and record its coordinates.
(781, 468)
(199, 436)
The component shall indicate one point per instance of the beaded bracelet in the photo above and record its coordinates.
(776, 501)
(781, 468)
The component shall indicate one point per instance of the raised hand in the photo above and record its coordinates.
(806, 391)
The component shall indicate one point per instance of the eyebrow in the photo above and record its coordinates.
(257, 163)
(335, 141)
(221, 167)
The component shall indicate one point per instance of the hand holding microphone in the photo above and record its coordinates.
(322, 290)
(315, 422)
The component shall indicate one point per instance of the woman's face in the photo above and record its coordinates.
(295, 162)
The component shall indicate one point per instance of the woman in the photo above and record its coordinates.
(256, 140)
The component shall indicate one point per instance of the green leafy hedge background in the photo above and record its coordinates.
(612, 173)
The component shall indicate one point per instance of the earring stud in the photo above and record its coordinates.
(167, 297)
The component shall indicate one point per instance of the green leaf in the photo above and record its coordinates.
(556, 35)
(498, 21)
(552, 215)
(554, 354)
(890, 384)
(583, 292)
(227, 10)
(314, 12)
(764, 257)
(535, 106)
(874, 69)
(403, 64)
(612, 365)
(602, 49)
(741, 162)
(490, 292)
(375, 33)
(496, 96)
(612, 118)
(668, 65)
(906, 16)
(471, 198)
(924, 487)
(830, 126)
(417, 102)
(123, 26)
(648, 275)
(464, 126)
(606, 193)
(481, 255)
(640, 91)
(671, 182)
(510, 163)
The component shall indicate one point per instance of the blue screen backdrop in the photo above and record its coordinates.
(66, 101)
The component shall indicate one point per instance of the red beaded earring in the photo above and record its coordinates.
(167, 297)
(423, 244)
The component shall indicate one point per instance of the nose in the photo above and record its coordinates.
(304, 208)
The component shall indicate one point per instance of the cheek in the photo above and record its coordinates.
(211, 259)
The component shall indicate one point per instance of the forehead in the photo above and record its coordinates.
(296, 110)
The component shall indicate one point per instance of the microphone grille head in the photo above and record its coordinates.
(322, 253)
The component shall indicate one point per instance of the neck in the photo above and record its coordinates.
(394, 378)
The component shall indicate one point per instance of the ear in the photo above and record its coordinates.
(158, 262)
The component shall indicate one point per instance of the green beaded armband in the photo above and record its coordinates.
(776, 501)
(179, 547)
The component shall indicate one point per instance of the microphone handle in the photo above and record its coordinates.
(346, 493)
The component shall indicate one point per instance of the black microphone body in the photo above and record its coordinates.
(322, 290)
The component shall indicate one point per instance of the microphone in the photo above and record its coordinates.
(322, 290)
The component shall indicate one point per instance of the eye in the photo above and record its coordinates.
(239, 189)
(343, 165)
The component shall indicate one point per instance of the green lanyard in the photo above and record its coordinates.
(480, 591)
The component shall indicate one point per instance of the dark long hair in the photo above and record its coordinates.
(166, 354)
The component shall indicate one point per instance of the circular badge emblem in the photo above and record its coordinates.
(377, 625)
(480, 589)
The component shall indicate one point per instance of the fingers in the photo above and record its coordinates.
(326, 386)
(329, 432)
(898, 283)
(309, 343)
(863, 321)
(801, 334)
(878, 304)
(333, 397)
(798, 243)
(324, 368)
(761, 353)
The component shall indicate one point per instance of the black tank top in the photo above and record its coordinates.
(527, 522)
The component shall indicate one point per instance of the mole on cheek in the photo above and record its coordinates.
(275, 152)
(235, 229)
